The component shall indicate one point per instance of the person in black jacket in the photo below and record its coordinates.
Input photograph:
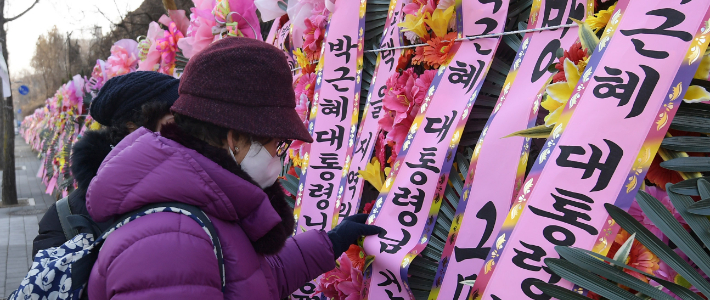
(124, 104)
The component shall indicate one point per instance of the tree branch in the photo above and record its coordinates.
(20, 15)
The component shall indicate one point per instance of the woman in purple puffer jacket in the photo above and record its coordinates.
(233, 122)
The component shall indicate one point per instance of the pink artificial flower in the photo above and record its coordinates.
(341, 283)
(380, 149)
(167, 46)
(299, 11)
(419, 7)
(314, 34)
(399, 97)
(152, 57)
(422, 86)
(123, 59)
(199, 33)
(306, 85)
(636, 212)
(178, 16)
(397, 136)
(243, 12)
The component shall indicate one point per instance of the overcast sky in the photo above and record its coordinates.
(77, 16)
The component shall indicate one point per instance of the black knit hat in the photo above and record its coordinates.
(123, 94)
(242, 84)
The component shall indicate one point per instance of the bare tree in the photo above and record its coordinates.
(9, 187)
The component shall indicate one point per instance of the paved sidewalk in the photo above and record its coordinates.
(18, 225)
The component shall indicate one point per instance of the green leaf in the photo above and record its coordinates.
(290, 187)
(688, 164)
(282, 5)
(664, 220)
(551, 68)
(560, 52)
(680, 291)
(687, 143)
(703, 189)
(699, 224)
(587, 280)
(587, 262)
(687, 187)
(623, 253)
(702, 207)
(656, 246)
(587, 37)
(540, 131)
(368, 261)
(558, 292)
(690, 123)
(298, 171)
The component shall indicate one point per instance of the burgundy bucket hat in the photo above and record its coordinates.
(242, 84)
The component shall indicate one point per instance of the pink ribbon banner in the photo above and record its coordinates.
(410, 199)
(498, 164)
(332, 122)
(369, 127)
(642, 65)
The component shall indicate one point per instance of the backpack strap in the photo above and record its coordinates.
(193, 212)
(64, 211)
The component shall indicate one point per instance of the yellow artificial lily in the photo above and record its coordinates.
(295, 158)
(414, 23)
(439, 22)
(599, 20)
(559, 93)
(697, 93)
(94, 125)
(300, 58)
(373, 174)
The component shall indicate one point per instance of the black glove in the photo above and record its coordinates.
(349, 231)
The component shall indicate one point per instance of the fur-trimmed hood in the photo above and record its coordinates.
(146, 168)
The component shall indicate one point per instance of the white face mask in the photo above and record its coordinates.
(263, 168)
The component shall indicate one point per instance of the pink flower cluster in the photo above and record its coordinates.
(313, 38)
(305, 87)
(341, 283)
(405, 94)
(123, 59)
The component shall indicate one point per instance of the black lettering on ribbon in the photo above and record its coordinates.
(319, 190)
(388, 55)
(442, 131)
(362, 146)
(521, 256)
(339, 108)
(607, 168)
(343, 47)
(673, 18)
(393, 248)
(334, 136)
(425, 162)
(541, 65)
(614, 86)
(466, 74)
(329, 161)
(309, 221)
(390, 279)
(569, 216)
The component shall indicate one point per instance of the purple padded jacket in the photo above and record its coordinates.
(169, 256)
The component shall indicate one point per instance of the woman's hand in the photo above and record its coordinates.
(349, 231)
